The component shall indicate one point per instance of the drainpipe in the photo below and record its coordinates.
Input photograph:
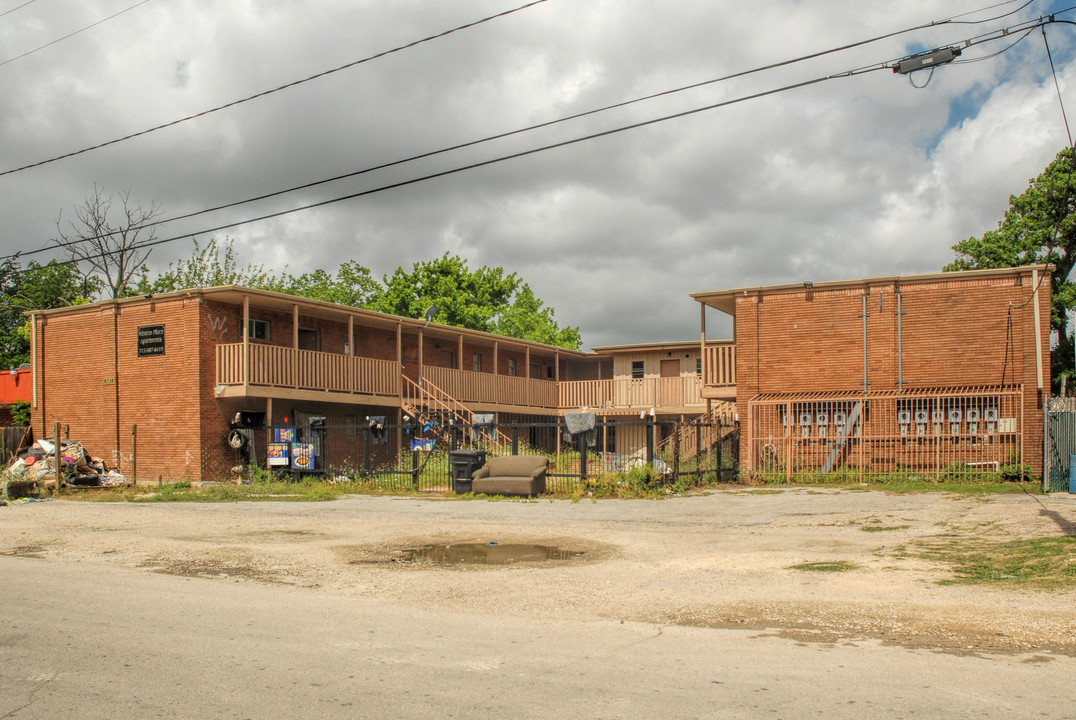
(866, 383)
(900, 344)
(115, 380)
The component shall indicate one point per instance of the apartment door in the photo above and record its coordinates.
(670, 390)
(308, 339)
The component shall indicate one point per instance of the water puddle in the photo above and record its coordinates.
(488, 554)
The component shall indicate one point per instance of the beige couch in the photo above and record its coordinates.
(511, 475)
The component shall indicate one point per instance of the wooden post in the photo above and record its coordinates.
(57, 456)
(134, 454)
(246, 345)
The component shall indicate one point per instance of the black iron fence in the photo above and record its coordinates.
(419, 455)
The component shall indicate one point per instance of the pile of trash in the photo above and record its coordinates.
(77, 467)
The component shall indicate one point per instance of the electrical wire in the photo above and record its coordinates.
(802, 58)
(265, 93)
(471, 166)
(969, 61)
(472, 143)
(483, 163)
(17, 7)
(71, 35)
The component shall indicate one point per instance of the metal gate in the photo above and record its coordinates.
(1061, 423)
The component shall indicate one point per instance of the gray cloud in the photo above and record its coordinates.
(850, 178)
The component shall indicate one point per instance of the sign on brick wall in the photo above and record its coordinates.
(150, 340)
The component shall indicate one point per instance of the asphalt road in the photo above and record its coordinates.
(91, 640)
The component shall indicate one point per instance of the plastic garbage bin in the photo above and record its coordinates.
(464, 464)
(1072, 473)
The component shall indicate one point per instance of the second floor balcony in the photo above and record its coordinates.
(259, 370)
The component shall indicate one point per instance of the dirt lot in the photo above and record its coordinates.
(723, 560)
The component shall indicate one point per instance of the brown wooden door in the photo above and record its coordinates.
(669, 386)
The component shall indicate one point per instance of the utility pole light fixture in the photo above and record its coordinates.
(926, 60)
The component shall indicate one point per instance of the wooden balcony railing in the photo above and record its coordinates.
(476, 387)
(283, 367)
(636, 393)
(719, 366)
(275, 366)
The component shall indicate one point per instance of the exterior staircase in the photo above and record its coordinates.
(433, 407)
(713, 428)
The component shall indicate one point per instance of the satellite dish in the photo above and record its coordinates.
(431, 312)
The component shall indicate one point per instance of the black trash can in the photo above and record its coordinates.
(464, 464)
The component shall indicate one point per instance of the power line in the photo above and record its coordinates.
(499, 136)
(811, 56)
(70, 35)
(17, 7)
(264, 93)
(492, 161)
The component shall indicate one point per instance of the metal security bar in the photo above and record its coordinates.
(963, 434)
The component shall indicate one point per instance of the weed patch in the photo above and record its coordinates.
(1045, 563)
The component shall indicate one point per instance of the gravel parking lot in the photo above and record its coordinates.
(724, 560)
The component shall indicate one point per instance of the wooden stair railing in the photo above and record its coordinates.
(425, 401)
(713, 428)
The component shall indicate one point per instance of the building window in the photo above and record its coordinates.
(478, 362)
(698, 366)
(258, 330)
(511, 366)
(351, 422)
(637, 369)
(549, 372)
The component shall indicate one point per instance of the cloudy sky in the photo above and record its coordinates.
(851, 177)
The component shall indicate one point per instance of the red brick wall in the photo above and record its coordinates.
(91, 379)
(954, 333)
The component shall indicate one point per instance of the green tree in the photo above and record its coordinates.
(463, 297)
(352, 285)
(485, 299)
(211, 265)
(35, 287)
(1038, 227)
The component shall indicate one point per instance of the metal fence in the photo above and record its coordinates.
(1061, 427)
(962, 434)
(417, 456)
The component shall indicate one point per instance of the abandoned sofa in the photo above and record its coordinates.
(511, 475)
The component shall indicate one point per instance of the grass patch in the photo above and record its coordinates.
(305, 490)
(883, 528)
(825, 566)
(1045, 563)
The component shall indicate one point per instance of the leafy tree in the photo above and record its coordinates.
(463, 297)
(353, 285)
(1038, 227)
(37, 287)
(209, 266)
(109, 234)
(484, 299)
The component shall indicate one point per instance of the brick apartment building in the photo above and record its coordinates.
(178, 367)
(891, 373)
(882, 374)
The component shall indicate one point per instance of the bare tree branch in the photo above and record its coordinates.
(107, 235)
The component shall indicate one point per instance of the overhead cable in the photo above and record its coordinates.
(264, 93)
(71, 35)
(802, 58)
(518, 131)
